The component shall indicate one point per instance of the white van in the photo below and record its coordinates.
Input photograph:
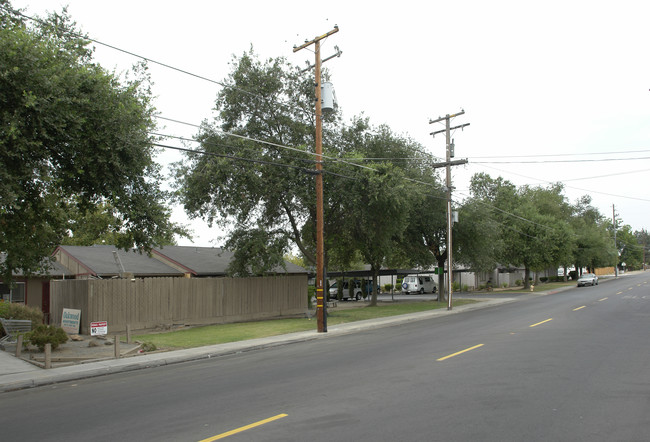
(418, 284)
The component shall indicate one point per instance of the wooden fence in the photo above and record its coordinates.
(154, 302)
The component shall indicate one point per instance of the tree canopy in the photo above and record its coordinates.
(73, 137)
(383, 201)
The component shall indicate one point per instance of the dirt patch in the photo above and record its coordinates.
(86, 349)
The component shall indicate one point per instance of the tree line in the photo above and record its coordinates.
(384, 204)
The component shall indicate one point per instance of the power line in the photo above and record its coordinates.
(232, 157)
(159, 63)
(578, 179)
(561, 154)
(561, 161)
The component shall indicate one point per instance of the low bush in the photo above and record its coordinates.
(148, 346)
(543, 279)
(388, 287)
(311, 292)
(12, 310)
(46, 334)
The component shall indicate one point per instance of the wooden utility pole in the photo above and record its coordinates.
(615, 243)
(448, 164)
(320, 256)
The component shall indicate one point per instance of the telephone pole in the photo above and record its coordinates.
(320, 256)
(448, 164)
(615, 243)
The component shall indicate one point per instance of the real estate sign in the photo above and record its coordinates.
(99, 328)
(70, 320)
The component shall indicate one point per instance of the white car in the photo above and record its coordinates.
(587, 279)
(345, 293)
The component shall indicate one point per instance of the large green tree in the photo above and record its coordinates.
(593, 236)
(631, 250)
(72, 137)
(263, 193)
(534, 230)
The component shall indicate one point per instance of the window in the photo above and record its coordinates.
(15, 294)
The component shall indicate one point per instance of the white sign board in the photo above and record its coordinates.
(70, 320)
(99, 328)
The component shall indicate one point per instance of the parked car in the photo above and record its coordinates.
(345, 294)
(368, 288)
(587, 279)
(418, 284)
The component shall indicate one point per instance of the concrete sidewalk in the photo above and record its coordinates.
(16, 374)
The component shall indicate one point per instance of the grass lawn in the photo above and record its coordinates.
(219, 334)
(542, 287)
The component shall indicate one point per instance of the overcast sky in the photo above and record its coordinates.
(540, 82)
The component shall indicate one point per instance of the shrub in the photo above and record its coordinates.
(46, 334)
(12, 310)
(455, 286)
(519, 282)
(465, 288)
(543, 279)
(388, 287)
(148, 346)
(504, 285)
(311, 292)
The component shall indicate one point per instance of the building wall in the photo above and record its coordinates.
(152, 302)
(71, 264)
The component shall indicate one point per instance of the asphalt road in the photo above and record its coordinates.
(573, 366)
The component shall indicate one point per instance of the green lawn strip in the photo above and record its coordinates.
(223, 333)
(544, 287)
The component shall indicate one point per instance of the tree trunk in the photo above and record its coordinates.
(526, 277)
(375, 277)
(442, 291)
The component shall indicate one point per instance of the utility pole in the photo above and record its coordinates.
(321, 314)
(645, 245)
(615, 243)
(448, 164)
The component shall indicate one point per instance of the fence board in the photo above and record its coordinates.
(152, 302)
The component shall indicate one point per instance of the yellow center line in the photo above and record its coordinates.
(619, 293)
(460, 352)
(579, 308)
(602, 299)
(247, 427)
(630, 288)
(540, 323)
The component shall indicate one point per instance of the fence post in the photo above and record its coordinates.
(128, 333)
(117, 346)
(48, 355)
(19, 346)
